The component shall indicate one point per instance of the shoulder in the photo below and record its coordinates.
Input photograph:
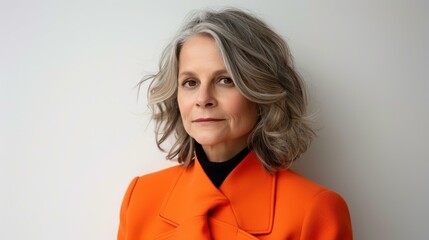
(152, 184)
(161, 174)
(143, 198)
(158, 180)
(321, 211)
(306, 195)
(145, 190)
(291, 181)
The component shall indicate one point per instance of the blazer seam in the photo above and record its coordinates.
(132, 190)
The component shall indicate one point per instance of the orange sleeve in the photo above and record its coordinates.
(327, 218)
(122, 232)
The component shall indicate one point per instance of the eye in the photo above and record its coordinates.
(226, 81)
(190, 83)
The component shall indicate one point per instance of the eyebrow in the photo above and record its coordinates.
(215, 73)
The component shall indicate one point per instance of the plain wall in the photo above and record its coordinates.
(72, 134)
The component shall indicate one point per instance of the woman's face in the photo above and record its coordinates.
(213, 111)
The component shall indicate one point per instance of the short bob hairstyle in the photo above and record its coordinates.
(260, 65)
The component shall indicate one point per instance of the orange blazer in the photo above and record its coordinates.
(182, 203)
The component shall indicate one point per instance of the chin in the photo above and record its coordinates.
(206, 140)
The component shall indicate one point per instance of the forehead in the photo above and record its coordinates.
(199, 51)
(197, 43)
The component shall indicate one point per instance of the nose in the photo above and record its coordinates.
(205, 98)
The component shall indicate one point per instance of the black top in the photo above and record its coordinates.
(218, 171)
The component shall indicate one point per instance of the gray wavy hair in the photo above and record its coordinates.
(260, 64)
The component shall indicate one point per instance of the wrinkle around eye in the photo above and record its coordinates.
(221, 80)
(189, 83)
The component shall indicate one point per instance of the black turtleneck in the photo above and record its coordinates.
(218, 171)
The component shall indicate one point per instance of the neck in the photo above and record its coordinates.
(222, 152)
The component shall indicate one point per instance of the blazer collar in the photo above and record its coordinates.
(248, 191)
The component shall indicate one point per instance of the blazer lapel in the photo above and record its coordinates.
(242, 206)
(251, 193)
(188, 204)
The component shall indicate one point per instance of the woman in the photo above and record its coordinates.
(227, 91)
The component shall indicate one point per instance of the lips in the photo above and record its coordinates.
(207, 120)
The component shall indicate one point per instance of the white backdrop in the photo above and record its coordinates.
(72, 134)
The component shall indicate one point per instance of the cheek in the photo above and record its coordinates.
(244, 110)
(183, 105)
